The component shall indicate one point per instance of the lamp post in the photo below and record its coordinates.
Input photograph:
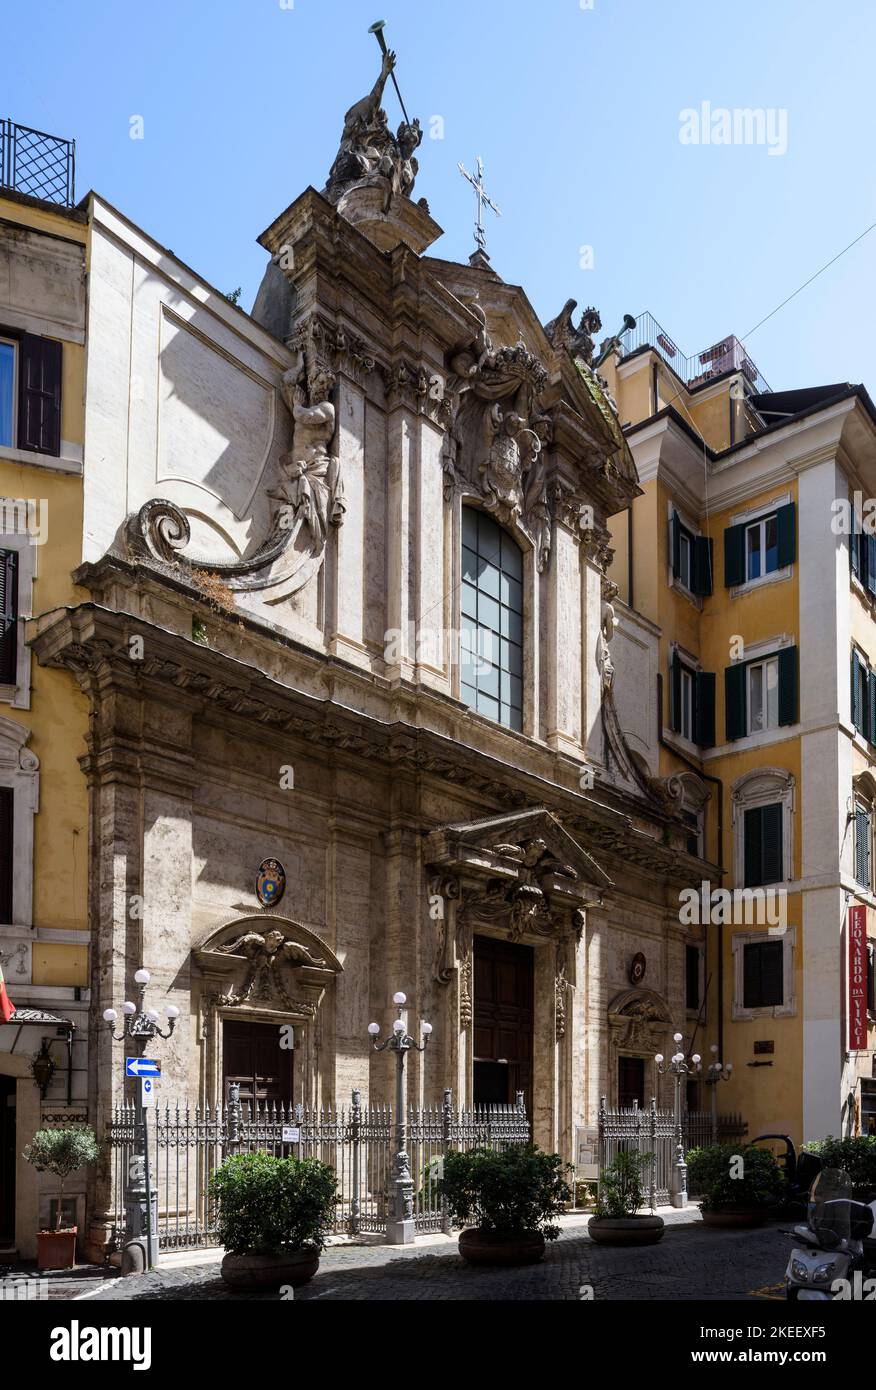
(141, 1203)
(716, 1071)
(677, 1067)
(402, 1229)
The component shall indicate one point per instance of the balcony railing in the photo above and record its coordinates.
(41, 165)
(724, 356)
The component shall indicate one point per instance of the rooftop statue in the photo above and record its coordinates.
(369, 154)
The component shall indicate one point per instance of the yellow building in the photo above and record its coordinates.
(738, 556)
(43, 725)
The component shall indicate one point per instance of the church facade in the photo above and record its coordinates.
(360, 716)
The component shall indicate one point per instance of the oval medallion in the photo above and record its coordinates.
(271, 882)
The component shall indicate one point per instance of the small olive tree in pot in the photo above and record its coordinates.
(738, 1186)
(507, 1200)
(272, 1217)
(620, 1197)
(61, 1152)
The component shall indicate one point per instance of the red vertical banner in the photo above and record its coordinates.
(857, 979)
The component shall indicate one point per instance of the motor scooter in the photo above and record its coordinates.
(835, 1242)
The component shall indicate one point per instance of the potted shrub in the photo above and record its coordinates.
(60, 1152)
(272, 1217)
(855, 1155)
(621, 1194)
(735, 1193)
(506, 1200)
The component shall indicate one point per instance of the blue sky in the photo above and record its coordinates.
(576, 112)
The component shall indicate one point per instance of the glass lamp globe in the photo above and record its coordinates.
(374, 1029)
(109, 1015)
(128, 1007)
(399, 998)
(679, 1057)
(398, 1026)
(729, 1067)
(696, 1059)
(172, 1011)
(658, 1056)
(141, 976)
(152, 1015)
(426, 1028)
(714, 1049)
(676, 1037)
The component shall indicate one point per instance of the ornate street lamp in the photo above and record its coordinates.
(678, 1068)
(402, 1230)
(140, 1250)
(715, 1072)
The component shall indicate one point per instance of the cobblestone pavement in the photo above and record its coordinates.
(691, 1262)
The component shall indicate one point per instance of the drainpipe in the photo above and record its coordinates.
(707, 777)
(630, 557)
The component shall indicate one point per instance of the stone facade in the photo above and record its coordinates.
(272, 557)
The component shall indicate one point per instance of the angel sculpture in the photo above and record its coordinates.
(266, 950)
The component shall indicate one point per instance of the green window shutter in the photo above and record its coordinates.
(734, 701)
(752, 848)
(7, 803)
(39, 400)
(856, 692)
(868, 543)
(702, 564)
(675, 694)
(763, 983)
(734, 556)
(704, 709)
(855, 550)
(862, 847)
(675, 536)
(8, 617)
(788, 685)
(871, 707)
(786, 535)
(771, 838)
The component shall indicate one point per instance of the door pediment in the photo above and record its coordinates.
(263, 963)
(524, 847)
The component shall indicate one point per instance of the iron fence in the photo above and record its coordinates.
(654, 1131)
(187, 1143)
(41, 165)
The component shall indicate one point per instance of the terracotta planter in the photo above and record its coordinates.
(56, 1249)
(735, 1216)
(484, 1248)
(270, 1271)
(626, 1230)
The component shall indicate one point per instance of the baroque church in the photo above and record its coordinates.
(364, 714)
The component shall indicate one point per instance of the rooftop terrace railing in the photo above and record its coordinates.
(724, 356)
(40, 165)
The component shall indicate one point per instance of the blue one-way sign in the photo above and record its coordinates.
(142, 1066)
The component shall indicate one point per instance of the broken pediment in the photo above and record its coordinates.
(525, 848)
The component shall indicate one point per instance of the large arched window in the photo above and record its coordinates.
(491, 640)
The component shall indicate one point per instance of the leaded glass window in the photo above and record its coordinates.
(491, 640)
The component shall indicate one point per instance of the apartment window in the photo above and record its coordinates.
(763, 975)
(863, 846)
(492, 620)
(692, 959)
(7, 806)
(691, 557)
(8, 392)
(692, 702)
(863, 697)
(871, 978)
(763, 845)
(753, 550)
(761, 694)
(862, 557)
(30, 392)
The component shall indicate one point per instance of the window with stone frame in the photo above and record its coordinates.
(763, 974)
(491, 640)
(763, 809)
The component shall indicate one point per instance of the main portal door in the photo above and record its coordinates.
(503, 1016)
(254, 1059)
